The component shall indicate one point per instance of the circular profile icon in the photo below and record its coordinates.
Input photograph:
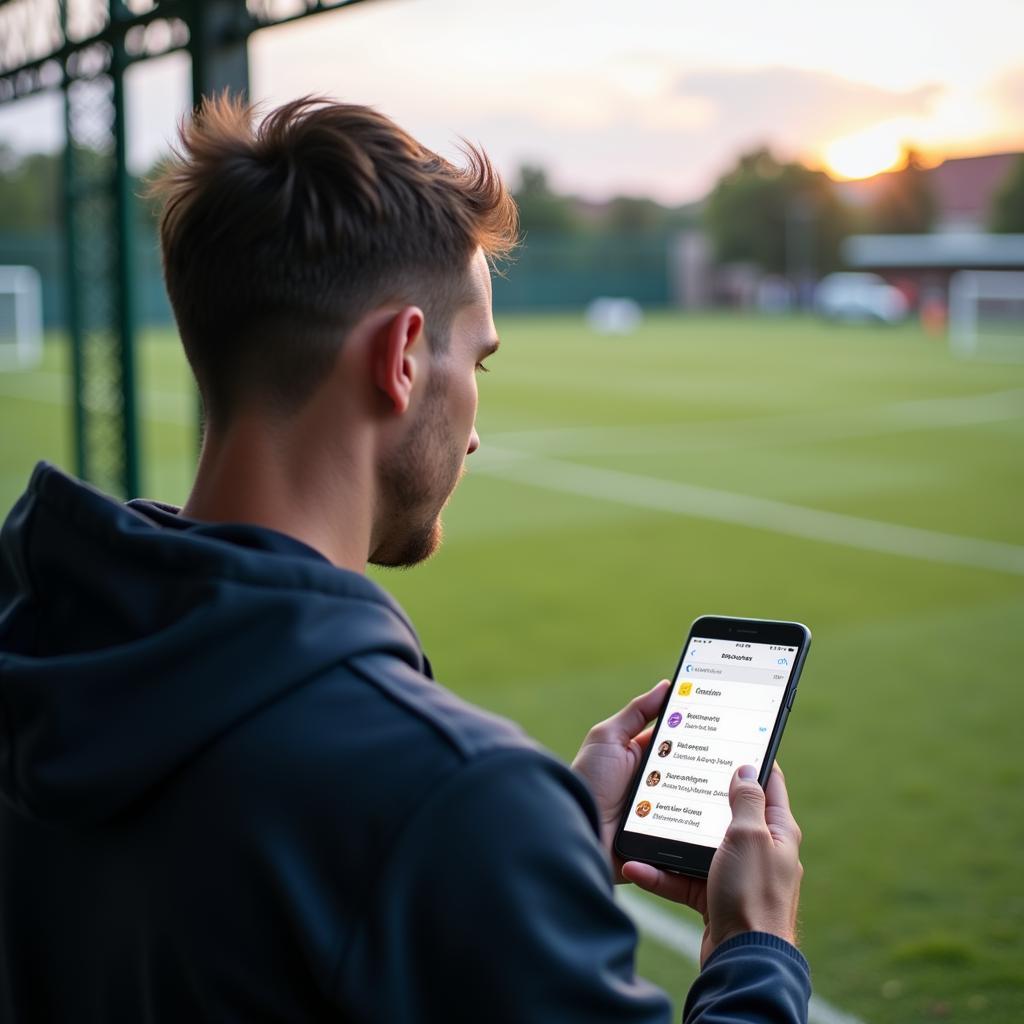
(654, 778)
(664, 748)
(643, 808)
(674, 719)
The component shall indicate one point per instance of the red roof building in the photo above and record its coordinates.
(964, 189)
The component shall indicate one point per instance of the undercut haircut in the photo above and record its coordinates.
(278, 234)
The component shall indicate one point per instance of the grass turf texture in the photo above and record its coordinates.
(903, 752)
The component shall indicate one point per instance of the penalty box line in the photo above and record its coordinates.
(655, 494)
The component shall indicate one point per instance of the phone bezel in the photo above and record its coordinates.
(691, 858)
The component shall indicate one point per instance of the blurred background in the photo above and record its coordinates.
(763, 355)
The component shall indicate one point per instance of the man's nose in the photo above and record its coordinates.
(474, 442)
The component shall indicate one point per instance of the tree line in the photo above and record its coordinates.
(780, 215)
(777, 214)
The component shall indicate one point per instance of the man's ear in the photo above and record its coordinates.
(398, 353)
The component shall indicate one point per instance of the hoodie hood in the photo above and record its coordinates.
(131, 638)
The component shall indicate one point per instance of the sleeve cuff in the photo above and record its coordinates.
(764, 940)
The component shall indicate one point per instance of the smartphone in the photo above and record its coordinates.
(730, 697)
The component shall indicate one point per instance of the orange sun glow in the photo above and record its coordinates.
(869, 152)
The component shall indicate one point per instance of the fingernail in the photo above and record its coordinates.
(748, 771)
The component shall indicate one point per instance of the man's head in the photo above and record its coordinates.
(422, 468)
(321, 227)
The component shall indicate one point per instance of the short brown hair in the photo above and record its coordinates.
(278, 234)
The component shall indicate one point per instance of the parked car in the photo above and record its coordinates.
(860, 297)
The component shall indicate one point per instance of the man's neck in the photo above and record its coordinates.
(252, 474)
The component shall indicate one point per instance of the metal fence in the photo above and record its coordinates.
(548, 273)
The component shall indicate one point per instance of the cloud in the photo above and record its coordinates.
(798, 109)
(1009, 92)
(622, 155)
(674, 141)
(606, 102)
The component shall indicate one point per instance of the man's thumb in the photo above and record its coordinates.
(746, 797)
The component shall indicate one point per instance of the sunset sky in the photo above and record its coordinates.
(652, 96)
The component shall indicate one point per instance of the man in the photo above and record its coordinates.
(231, 789)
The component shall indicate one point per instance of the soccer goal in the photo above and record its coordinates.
(986, 315)
(21, 318)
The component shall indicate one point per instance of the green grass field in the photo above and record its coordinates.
(575, 558)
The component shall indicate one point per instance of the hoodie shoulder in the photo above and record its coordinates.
(127, 648)
(467, 730)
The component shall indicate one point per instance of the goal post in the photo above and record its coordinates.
(21, 318)
(986, 315)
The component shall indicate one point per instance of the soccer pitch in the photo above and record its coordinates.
(855, 478)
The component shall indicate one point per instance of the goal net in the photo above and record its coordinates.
(986, 315)
(21, 318)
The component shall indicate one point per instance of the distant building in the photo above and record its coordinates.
(964, 189)
(921, 265)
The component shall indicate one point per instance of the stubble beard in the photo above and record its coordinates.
(416, 484)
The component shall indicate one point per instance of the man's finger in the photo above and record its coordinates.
(777, 813)
(639, 743)
(746, 798)
(678, 888)
(638, 712)
(776, 794)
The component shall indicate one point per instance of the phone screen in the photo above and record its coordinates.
(725, 701)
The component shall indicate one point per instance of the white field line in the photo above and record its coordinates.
(684, 938)
(699, 435)
(659, 495)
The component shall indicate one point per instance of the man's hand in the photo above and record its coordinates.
(754, 883)
(610, 755)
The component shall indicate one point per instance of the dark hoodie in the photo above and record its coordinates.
(232, 792)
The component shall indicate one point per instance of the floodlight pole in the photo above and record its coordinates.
(126, 319)
(219, 47)
(799, 243)
(71, 291)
